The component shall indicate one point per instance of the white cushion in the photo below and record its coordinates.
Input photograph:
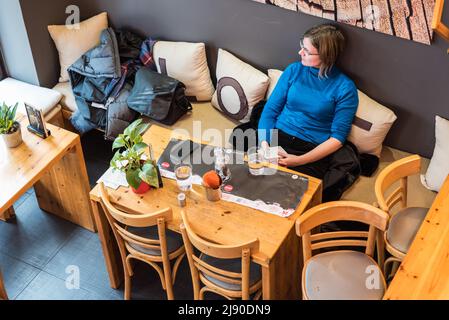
(371, 124)
(13, 91)
(187, 63)
(342, 275)
(73, 43)
(239, 87)
(274, 76)
(439, 164)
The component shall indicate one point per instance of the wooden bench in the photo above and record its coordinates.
(13, 91)
(210, 118)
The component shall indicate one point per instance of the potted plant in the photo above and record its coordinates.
(141, 171)
(9, 127)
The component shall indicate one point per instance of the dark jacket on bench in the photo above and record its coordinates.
(100, 98)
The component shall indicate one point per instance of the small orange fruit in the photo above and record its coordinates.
(211, 179)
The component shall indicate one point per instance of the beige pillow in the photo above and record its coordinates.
(274, 76)
(439, 164)
(239, 87)
(73, 43)
(371, 124)
(187, 63)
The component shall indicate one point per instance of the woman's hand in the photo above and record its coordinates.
(264, 145)
(289, 160)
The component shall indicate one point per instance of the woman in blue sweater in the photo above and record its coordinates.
(312, 106)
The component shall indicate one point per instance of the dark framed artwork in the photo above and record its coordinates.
(407, 19)
(36, 119)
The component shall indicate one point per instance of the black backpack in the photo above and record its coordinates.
(158, 97)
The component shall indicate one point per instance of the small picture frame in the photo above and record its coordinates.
(37, 123)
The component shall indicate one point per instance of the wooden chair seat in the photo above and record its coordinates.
(391, 190)
(174, 240)
(340, 275)
(403, 227)
(150, 242)
(231, 265)
(226, 270)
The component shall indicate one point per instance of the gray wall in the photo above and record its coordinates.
(14, 43)
(409, 77)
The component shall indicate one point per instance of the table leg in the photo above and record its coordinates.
(267, 282)
(8, 214)
(281, 279)
(64, 189)
(109, 245)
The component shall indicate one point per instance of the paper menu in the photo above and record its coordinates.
(113, 179)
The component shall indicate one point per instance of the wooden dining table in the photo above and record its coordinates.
(280, 254)
(424, 272)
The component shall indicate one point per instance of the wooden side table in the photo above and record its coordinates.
(55, 167)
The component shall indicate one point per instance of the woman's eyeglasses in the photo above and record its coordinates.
(301, 44)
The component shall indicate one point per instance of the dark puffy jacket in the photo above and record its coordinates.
(91, 78)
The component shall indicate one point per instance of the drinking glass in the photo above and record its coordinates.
(255, 162)
(183, 173)
(221, 164)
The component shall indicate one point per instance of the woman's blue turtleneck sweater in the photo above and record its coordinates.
(310, 107)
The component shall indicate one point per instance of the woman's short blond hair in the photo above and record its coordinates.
(330, 42)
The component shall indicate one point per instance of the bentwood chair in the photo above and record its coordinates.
(338, 273)
(3, 295)
(226, 270)
(404, 221)
(144, 237)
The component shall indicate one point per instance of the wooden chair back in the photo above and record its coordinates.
(398, 171)
(243, 251)
(340, 211)
(120, 220)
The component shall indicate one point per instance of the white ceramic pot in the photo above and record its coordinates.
(14, 139)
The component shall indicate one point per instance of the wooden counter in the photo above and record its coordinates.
(424, 273)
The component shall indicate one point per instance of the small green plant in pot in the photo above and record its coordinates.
(9, 127)
(141, 173)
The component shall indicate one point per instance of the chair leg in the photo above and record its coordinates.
(127, 286)
(201, 293)
(168, 280)
(389, 261)
(395, 267)
(170, 295)
(380, 246)
(129, 265)
(196, 294)
(258, 295)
